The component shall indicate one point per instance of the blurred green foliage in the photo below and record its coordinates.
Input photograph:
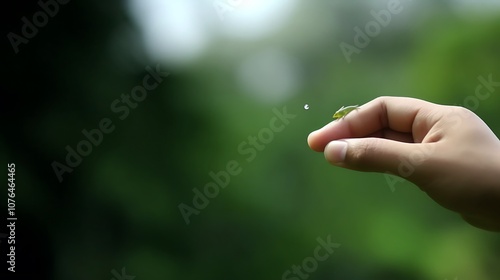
(119, 208)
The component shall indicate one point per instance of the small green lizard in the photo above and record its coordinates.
(342, 112)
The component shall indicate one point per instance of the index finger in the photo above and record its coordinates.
(396, 113)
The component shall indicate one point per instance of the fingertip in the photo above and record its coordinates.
(312, 141)
(335, 152)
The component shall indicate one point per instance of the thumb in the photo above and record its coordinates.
(374, 155)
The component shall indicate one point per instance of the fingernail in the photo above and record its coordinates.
(335, 151)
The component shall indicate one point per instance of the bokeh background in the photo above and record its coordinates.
(230, 66)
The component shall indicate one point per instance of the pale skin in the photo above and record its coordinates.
(453, 155)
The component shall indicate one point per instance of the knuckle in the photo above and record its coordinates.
(359, 152)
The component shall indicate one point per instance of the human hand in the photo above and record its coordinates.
(447, 151)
